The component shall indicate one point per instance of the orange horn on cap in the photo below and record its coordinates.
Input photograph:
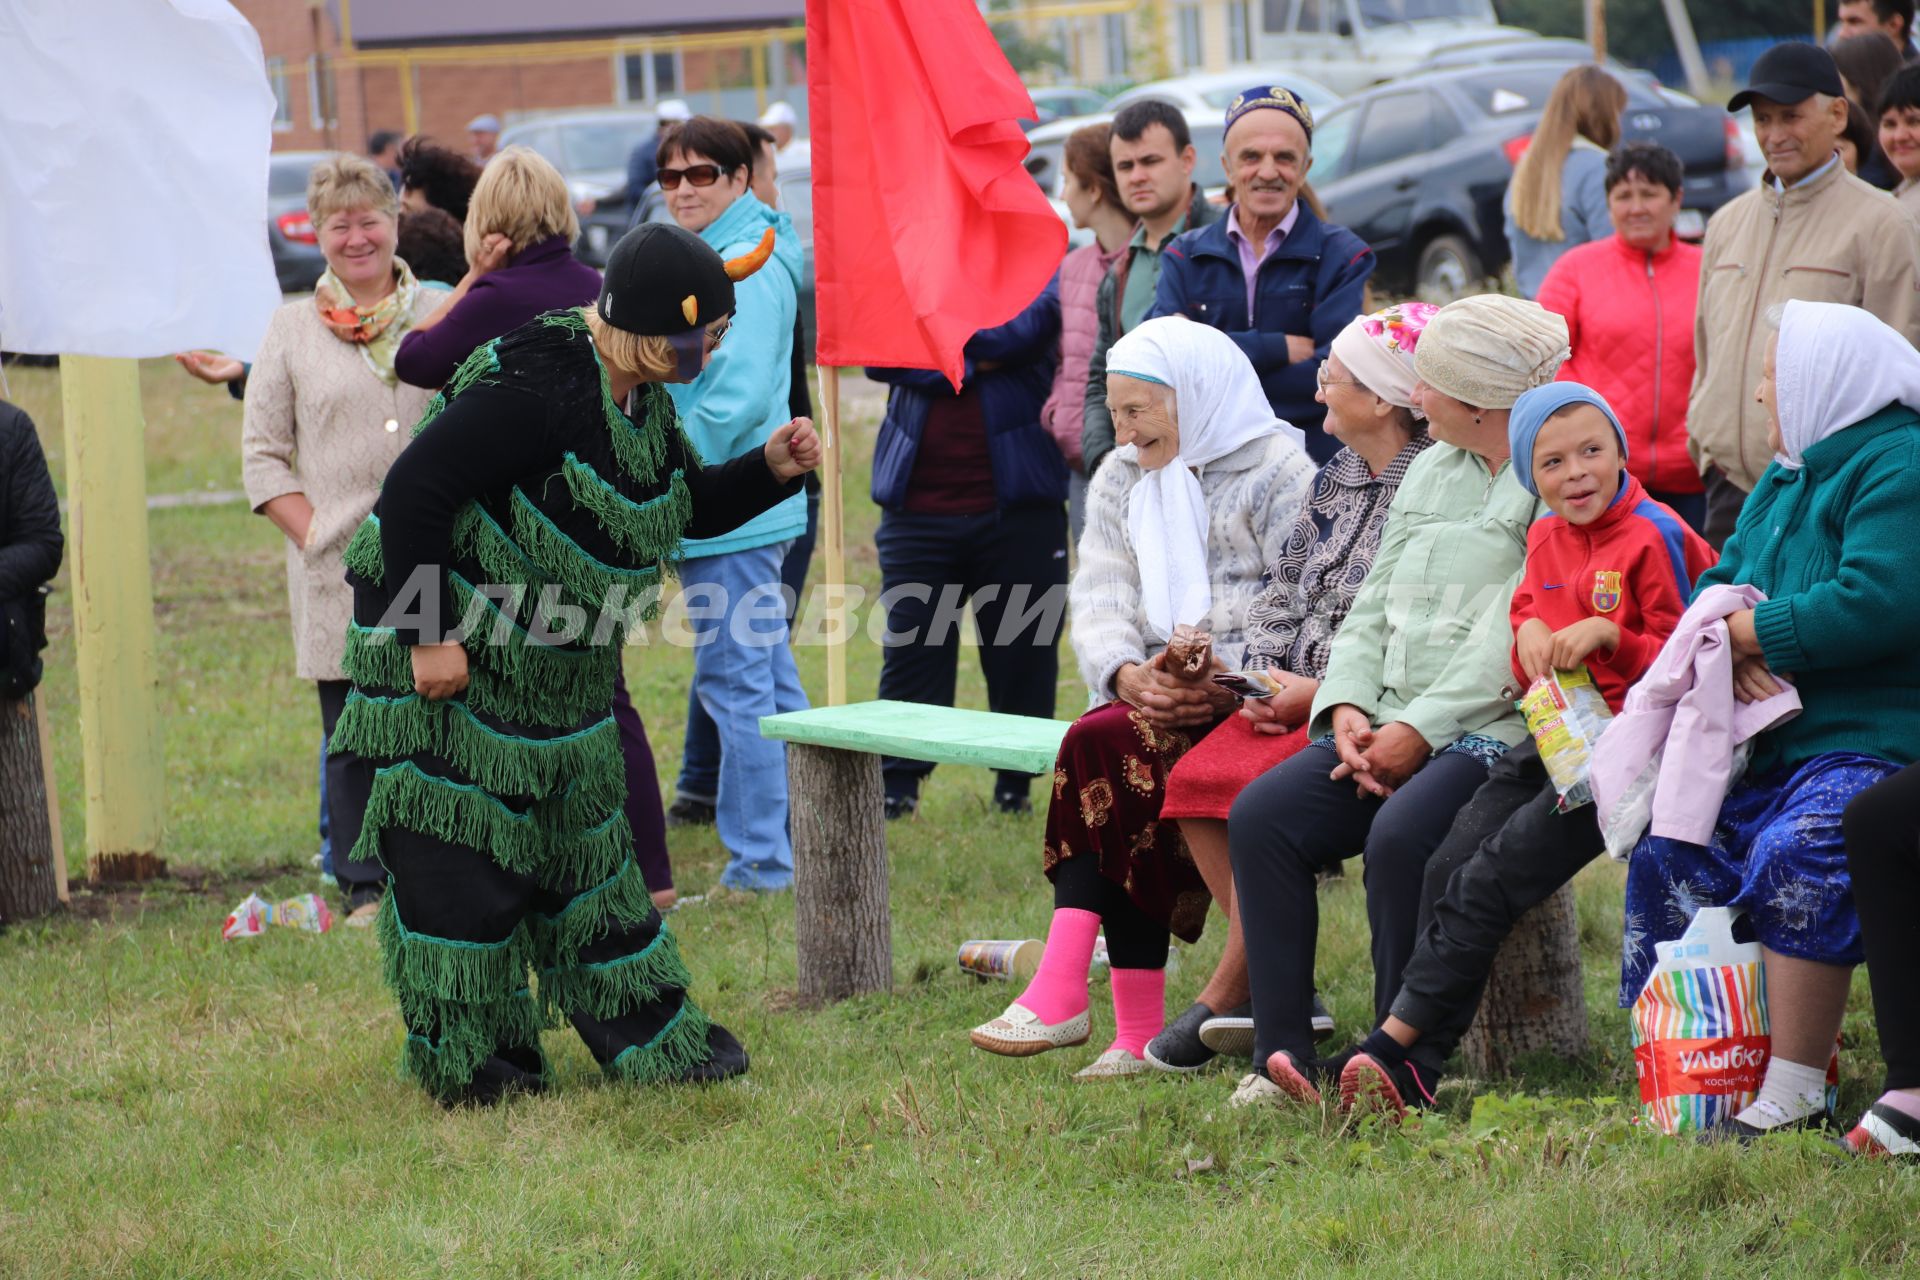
(746, 264)
(690, 308)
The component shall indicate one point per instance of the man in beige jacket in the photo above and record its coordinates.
(1811, 231)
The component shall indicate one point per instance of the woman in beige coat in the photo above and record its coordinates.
(325, 418)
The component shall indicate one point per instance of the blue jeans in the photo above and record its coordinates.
(326, 839)
(742, 670)
(700, 753)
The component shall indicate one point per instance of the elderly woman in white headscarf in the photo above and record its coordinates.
(1827, 536)
(1199, 498)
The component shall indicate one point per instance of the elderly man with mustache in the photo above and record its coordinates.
(1274, 277)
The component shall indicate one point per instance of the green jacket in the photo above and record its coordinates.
(1832, 546)
(1426, 642)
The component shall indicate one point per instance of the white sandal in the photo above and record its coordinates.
(1112, 1065)
(1019, 1033)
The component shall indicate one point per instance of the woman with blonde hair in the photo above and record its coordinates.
(325, 417)
(1558, 196)
(556, 468)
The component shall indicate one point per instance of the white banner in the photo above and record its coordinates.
(134, 137)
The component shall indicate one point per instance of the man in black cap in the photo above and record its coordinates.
(1811, 231)
(517, 539)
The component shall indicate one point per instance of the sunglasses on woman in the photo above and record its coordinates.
(700, 175)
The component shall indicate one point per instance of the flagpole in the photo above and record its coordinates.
(833, 531)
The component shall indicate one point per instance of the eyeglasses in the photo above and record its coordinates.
(717, 332)
(1321, 377)
(700, 175)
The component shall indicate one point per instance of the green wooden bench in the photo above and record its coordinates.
(843, 925)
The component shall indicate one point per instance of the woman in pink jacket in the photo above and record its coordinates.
(1093, 199)
(1629, 301)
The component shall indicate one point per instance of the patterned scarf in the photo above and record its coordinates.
(377, 329)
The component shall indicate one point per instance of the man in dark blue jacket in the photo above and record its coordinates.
(972, 492)
(1279, 281)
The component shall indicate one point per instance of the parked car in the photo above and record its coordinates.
(1056, 102)
(1539, 49)
(1201, 96)
(297, 260)
(590, 149)
(1419, 168)
(1351, 44)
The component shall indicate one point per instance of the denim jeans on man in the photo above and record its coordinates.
(742, 670)
(700, 750)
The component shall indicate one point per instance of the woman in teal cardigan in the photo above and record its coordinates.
(1827, 534)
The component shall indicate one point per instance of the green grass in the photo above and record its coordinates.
(171, 1105)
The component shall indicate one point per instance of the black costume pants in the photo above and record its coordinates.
(1882, 826)
(1510, 849)
(1294, 820)
(929, 565)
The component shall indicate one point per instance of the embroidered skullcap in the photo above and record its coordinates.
(1272, 97)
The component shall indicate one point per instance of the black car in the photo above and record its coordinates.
(1418, 168)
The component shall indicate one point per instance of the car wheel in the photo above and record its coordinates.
(1448, 269)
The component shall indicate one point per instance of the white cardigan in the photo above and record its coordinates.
(1254, 496)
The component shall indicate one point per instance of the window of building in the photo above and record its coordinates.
(320, 100)
(282, 101)
(1114, 28)
(650, 76)
(1239, 31)
(1193, 51)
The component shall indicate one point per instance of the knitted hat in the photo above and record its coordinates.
(1532, 411)
(1486, 350)
(662, 280)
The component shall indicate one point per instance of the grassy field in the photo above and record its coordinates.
(175, 1106)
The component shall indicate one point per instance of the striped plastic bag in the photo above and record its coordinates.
(1700, 1042)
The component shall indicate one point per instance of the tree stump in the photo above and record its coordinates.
(29, 862)
(1535, 1000)
(842, 924)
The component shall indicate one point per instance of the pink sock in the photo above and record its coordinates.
(1901, 1100)
(1059, 988)
(1139, 1008)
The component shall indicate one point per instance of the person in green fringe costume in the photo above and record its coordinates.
(518, 537)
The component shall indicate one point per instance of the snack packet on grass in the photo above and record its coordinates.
(1566, 715)
(250, 919)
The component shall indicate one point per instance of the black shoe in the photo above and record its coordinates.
(899, 807)
(1739, 1131)
(729, 1059)
(685, 811)
(1301, 1079)
(1012, 802)
(507, 1072)
(1369, 1083)
(1322, 1020)
(1179, 1047)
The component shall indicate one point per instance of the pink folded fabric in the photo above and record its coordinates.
(1683, 714)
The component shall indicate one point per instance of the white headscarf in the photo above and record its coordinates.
(1836, 366)
(1220, 408)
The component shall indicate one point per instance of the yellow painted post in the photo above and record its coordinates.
(409, 96)
(113, 615)
(760, 77)
(833, 532)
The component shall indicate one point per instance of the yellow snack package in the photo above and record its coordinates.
(1566, 716)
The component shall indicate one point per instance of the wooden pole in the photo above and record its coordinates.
(1688, 46)
(113, 616)
(1820, 22)
(833, 534)
(1597, 28)
(53, 800)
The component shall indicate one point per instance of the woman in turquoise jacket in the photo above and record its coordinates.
(1414, 707)
(1827, 534)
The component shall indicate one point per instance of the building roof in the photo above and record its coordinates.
(410, 22)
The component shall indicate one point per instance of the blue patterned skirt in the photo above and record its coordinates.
(1777, 853)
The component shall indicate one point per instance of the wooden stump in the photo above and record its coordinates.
(842, 924)
(1535, 1000)
(29, 860)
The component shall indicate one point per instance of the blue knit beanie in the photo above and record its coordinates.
(1530, 413)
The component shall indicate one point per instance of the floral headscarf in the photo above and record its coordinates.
(1378, 350)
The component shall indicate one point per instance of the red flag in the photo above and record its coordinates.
(927, 226)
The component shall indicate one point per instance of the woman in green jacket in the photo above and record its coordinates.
(1827, 535)
(1414, 707)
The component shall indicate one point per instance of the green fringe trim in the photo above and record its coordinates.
(640, 450)
(505, 764)
(617, 986)
(617, 899)
(467, 1039)
(429, 973)
(650, 530)
(538, 683)
(528, 844)
(363, 551)
(561, 559)
(680, 1047)
(376, 659)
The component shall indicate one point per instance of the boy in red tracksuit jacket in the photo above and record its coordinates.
(1611, 570)
(1608, 575)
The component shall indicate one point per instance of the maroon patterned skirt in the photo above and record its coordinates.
(1108, 785)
